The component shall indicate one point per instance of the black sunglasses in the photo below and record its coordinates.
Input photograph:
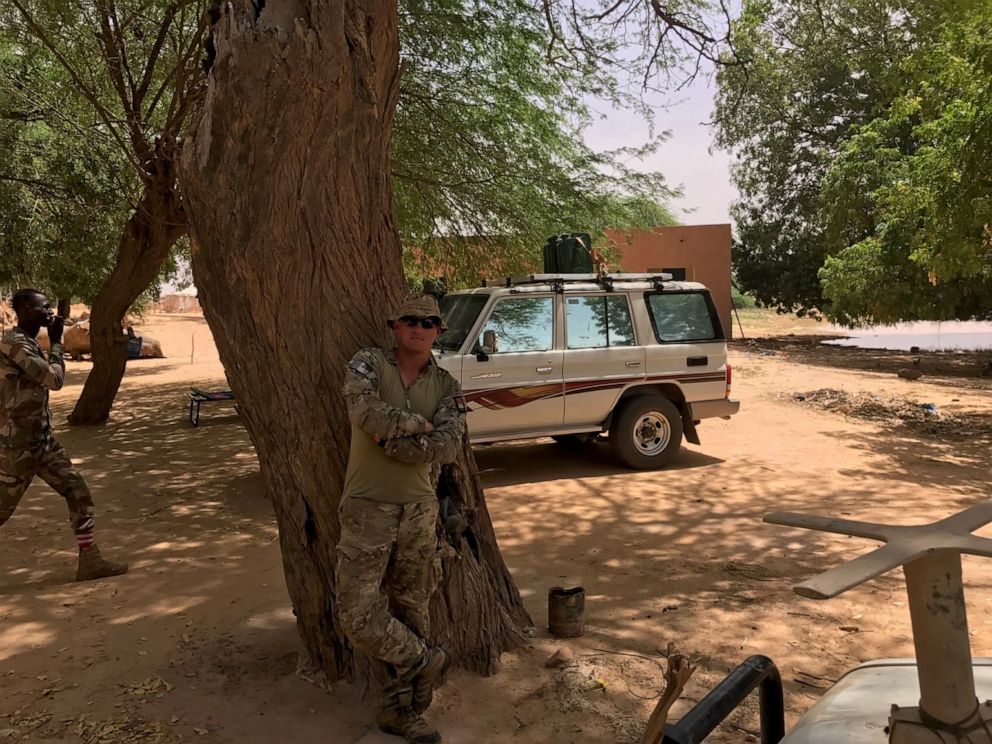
(426, 323)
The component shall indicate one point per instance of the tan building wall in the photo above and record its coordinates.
(703, 251)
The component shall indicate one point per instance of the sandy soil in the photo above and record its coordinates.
(197, 642)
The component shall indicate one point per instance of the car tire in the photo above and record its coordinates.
(647, 433)
(574, 441)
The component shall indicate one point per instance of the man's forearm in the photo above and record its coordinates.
(440, 446)
(379, 419)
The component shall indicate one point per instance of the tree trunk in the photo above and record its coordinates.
(149, 234)
(296, 254)
(64, 307)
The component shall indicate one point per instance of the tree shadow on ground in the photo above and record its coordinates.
(927, 462)
(512, 463)
(675, 555)
(77, 372)
(203, 608)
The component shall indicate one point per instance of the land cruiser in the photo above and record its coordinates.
(571, 356)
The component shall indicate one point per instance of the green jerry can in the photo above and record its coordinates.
(568, 254)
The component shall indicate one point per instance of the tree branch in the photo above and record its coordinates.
(88, 93)
(49, 188)
(122, 48)
(25, 116)
(672, 21)
(189, 76)
(180, 72)
(113, 55)
(153, 55)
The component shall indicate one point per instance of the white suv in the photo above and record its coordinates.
(573, 355)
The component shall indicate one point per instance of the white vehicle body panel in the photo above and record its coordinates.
(856, 709)
(517, 393)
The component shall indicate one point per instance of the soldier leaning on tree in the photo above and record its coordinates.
(27, 445)
(407, 415)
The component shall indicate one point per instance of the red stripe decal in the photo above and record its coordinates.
(500, 398)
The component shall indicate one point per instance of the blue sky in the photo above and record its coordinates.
(686, 158)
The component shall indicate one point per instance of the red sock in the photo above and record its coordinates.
(84, 540)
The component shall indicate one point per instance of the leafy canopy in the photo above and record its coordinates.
(488, 152)
(861, 132)
(90, 90)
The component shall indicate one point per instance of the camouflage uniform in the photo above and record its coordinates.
(27, 446)
(388, 566)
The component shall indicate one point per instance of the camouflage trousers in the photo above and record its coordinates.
(51, 463)
(387, 570)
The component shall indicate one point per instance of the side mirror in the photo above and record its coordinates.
(489, 345)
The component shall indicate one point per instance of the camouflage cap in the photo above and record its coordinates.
(417, 306)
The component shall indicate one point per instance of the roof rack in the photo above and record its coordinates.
(558, 281)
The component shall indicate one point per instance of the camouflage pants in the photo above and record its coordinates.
(387, 570)
(51, 463)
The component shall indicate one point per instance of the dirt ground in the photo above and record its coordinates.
(197, 642)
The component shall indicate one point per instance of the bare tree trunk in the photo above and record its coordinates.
(295, 249)
(64, 307)
(149, 234)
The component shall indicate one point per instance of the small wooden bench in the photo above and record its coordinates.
(198, 397)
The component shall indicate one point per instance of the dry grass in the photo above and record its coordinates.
(923, 418)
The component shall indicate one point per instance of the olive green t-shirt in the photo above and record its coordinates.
(374, 475)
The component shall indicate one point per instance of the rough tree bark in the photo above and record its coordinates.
(296, 254)
(157, 223)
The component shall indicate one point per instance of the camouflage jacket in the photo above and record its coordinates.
(25, 379)
(403, 432)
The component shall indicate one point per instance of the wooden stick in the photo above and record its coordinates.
(676, 676)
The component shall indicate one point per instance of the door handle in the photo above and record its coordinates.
(544, 370)
(632, 364)
(700, 361)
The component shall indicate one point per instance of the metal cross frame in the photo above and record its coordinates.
(930, 555)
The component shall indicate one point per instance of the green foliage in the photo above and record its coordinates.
(910, 195)
(488, 152)
(86, 90)
(60, 202)
(740, 300)
(816, 70)
(863, 133)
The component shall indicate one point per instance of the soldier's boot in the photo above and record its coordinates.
(428, 678)
(92, 565)
(400, 720)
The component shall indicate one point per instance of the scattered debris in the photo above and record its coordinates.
(583, 686)
(925, 418)
(562, 657)
(593, 683)
(151, 687)
(125, 728)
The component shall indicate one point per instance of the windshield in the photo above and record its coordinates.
(460, 312)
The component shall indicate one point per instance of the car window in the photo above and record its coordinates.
(522, 324)
(460, 313)
(682, 316)
(597, 321)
